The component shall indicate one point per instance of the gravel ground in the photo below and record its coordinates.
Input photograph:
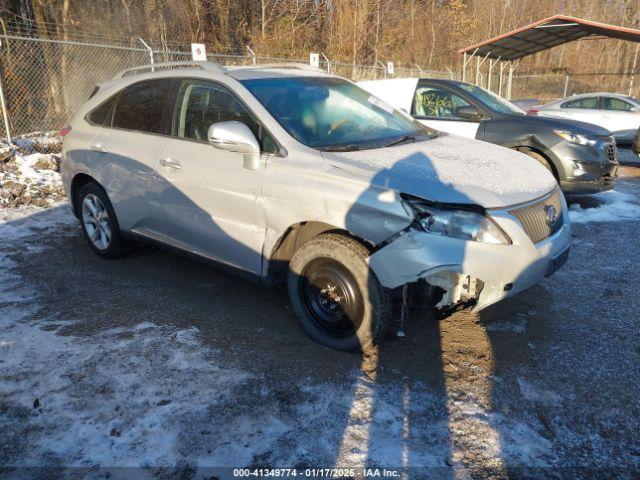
(154, 366)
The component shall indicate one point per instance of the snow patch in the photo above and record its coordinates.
(613, 206)
(538, 394)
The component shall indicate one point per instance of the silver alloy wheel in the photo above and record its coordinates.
(95, 220)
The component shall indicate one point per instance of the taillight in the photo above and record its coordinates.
(532, 111)
(64, 131)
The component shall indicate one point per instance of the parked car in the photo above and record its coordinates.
(280, 174)
(582, 157)
(526, 103)
(609, 110)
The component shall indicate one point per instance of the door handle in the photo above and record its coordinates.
(98, 148)
(170, 163)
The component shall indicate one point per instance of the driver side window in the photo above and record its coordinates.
(201, 103)
(436, 102)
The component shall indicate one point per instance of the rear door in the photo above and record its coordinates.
(125, 153)
(436, 106)
(214, 204)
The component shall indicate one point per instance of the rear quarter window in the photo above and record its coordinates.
(142, 106)
(101, 115)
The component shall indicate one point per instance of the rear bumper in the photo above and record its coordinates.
(467, 270)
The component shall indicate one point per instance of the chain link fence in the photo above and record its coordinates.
(45, 81)
(547, 87)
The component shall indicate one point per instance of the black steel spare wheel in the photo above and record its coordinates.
(331, 297)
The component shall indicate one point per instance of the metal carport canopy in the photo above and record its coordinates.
(544, 34)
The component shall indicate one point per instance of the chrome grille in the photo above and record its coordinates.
(534, 217)
(611, 153)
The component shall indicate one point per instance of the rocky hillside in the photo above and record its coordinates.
(29, 171)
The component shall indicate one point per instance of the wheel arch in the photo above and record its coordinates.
(293, 238)
(79, 181)
(527, 148)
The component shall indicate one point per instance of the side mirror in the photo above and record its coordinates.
(469, 113)
(236, 137)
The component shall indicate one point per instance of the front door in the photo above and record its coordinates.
(619, 114)
(214, 204)
(436, 107)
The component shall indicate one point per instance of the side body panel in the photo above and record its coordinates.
(124, 163)
(460, 128)
(211, 204)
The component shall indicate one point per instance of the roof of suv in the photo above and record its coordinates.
(275, 71)
(240, 72)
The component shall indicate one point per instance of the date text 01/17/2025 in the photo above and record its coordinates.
(316, 472)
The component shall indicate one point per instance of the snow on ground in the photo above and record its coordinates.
(153, 395)
(608, 206)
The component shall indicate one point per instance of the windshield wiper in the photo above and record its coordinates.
(342, 148)
(406, 138)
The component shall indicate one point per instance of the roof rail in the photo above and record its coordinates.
(284, 65)
(210, 66)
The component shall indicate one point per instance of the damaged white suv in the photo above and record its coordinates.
(290, 173)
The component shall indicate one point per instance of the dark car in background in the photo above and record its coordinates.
(583, 157)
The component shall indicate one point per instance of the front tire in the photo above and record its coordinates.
(541, 160)
(337, 298)
(98, 221)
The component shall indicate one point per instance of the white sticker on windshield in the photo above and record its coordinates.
(380, 104)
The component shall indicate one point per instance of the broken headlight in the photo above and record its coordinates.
(457, 223)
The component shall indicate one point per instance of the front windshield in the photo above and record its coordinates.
(329, 113)
(491, 100)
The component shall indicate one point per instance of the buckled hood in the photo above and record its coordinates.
(450, 169)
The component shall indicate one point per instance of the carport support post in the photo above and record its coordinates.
(633, 69)
(464, 67)
(5, 114)
(500, 81)
(478, 65)
(510, 80)
(492, 63)
(465, 61)
(566, 85)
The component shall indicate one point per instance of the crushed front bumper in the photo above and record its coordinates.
(586, 170)
(467, 270)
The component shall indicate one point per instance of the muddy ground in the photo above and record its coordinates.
(157, 362)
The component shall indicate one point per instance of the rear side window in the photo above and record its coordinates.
(141, 106)
(589, 102)
(610, 103)
(101, 115)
